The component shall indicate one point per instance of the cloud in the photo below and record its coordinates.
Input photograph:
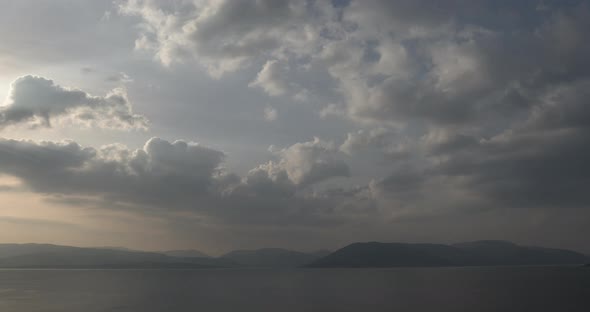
(271, 79)
(38, 102)
(179, 175)
(120, 77)
(307, 163)
(393, 61)
(472, 109)
(362, 139)
(223, 36)
(465, 72)
(537, 164)
(162, 171)
(453, 80)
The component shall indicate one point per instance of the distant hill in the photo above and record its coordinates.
(372, 254)
(508, 253)
(186, 253)
(272, 257)
(54, 256)
(480, 253)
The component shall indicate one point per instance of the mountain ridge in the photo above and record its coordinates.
(360, 254)
(477, 253)
(34, 255)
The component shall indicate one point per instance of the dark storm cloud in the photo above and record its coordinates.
(38, 101)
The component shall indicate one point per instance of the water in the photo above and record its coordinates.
(408, 289)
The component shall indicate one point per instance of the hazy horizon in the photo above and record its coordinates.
(218, 125)
(335, 248)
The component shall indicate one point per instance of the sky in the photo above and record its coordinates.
(304, 124)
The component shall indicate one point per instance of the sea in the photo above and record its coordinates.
(478, 289)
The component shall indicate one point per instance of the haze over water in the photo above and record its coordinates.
(506, 289)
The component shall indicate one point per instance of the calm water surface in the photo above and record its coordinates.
(409, 289)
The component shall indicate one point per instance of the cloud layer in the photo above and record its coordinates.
(163, 175)
(37, 101)
(461, 115)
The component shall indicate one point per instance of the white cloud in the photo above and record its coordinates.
(272, 78)
(223, 36)
(307, 163)
(379, 137)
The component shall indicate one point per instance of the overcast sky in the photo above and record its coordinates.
(302, 124)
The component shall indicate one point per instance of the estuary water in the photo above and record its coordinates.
(240, 290)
